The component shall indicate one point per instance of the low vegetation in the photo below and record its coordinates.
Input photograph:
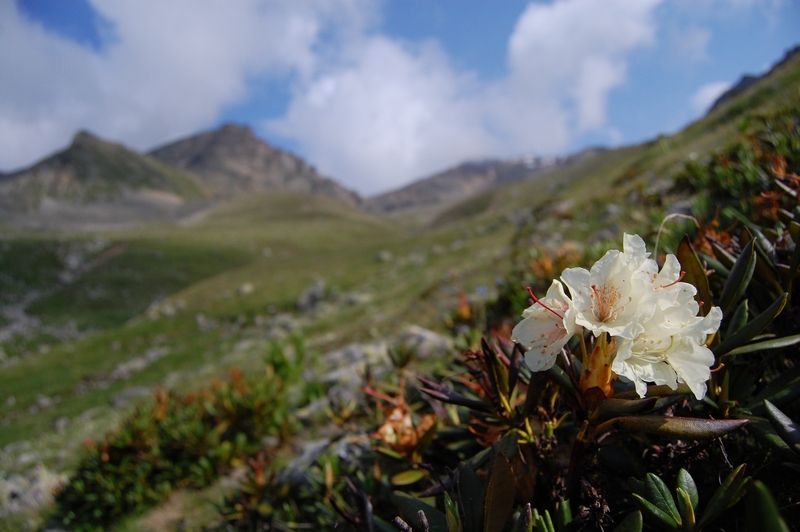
(481, 437)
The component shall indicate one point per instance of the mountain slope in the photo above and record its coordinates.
(233, 162)
(96, 181)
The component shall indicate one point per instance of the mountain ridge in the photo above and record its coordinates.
(232, 161)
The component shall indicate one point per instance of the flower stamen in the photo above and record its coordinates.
(539, 302)
(673, 283)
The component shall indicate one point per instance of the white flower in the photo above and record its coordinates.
(546, 326)
(671, 349)
(617, 296)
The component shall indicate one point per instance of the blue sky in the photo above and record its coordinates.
(376, 93)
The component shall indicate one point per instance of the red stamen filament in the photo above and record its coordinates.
(538, 302)
(602, 315)
(680, 277)
(719, 367)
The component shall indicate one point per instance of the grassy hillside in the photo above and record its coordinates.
(99, 316)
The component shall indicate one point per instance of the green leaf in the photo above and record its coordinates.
(658, 493)
(788, 430)
(558, 376)
(739, 278)
(451, 514)
(775, 343)
(781, 391)
(410, 507)
(725, 496)
(686, 483)
(694, 273)
(407, 478)
(620, 407)
(763, 430)
(499, 498)
(525, 520)
(632, 523)
(739, 318)
(564, 513)
(762, 512)
(749, 331)
(655, 515)
(686, 509)
(680, 427)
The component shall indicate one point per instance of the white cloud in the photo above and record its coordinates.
(371, 111)
(389, 112)
(170, 69)
(706, 95)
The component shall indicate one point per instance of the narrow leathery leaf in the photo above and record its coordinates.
(632, 523)
(451, 514)
(442, 393)
(718, 267)
(410, 507)
(788, 430)
(741, 273)
(513, 367)
(686, 508)
(680, 427)
(687, 484)
(741, 490)
(525, 520)
(762, 511)
(694, 273)
(564, 513)
(499, 498)
(548, 522)
(558, 376)
(620, 407)
(775, 343)
(723, 496)
(636, 486)
(763, 430)
(497, 371)
(753, 327)
(781, 391)
(765, 271)
(763, 244)
(470, 498)
(726, 259)
(655, 515)
(738, 319)
(507, 445)
(390, 453)
(793, 266)
(658, 493)
(406, 478)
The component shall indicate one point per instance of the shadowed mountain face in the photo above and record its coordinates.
(233, 162)
(92, 171)
(467, 180)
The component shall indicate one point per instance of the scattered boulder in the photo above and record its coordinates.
(311, 296)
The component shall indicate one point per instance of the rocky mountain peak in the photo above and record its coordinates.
(232, 161)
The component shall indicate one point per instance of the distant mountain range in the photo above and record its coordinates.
(96, 183)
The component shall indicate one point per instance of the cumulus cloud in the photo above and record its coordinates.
(706, 95)
(169, 70)
(390, 112)
(371, 111)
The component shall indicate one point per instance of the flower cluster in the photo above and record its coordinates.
(650, 312)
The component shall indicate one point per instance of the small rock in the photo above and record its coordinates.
(311, 296)
(123, 398)
(384, 256)
(245, 289)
